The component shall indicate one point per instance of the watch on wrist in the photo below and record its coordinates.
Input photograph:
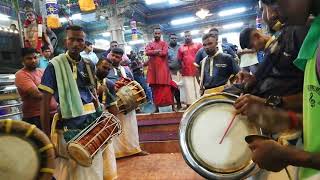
(274, 101)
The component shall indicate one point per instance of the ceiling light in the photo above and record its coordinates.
(149, 2)
(106, 34)
(173, 1)
(76, 16)
(63, 20)
(139, 41)
(203, 13)
(183, 21)
(4, 17)
(232, 11)
(194, 32)
(233, 25)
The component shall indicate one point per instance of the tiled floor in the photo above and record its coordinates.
(169, 166)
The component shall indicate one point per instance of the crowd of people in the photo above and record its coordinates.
(281, 92)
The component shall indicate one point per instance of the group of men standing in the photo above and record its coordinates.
(173, 65)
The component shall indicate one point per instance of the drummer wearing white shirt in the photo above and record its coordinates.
(88, 53)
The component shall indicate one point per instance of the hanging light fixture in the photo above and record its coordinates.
(203, 13)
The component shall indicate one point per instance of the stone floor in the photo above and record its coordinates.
(169, 166)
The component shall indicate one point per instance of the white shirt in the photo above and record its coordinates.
(91, 56)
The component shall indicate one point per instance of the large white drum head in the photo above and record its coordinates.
(207, 128)
(19, 160)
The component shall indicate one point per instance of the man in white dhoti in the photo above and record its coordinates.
(127, 143)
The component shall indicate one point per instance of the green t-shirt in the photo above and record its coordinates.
(306, 61)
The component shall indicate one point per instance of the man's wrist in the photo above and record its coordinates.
(274, 101)
(297, 157)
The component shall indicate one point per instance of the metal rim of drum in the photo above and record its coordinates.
(78, 153)
(48, 153)
(186, 121)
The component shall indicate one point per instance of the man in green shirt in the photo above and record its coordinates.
(268, 154)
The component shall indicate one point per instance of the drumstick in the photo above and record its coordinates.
(288, 173)
(229, 126)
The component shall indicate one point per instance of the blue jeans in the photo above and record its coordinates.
(142, 81)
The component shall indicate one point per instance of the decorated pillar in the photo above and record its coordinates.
(115, 14)
(115, 27)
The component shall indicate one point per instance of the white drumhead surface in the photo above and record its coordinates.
(19, 160)
(206, 132)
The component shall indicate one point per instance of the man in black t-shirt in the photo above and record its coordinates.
(217, 67)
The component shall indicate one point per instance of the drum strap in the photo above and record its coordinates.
(90, 73)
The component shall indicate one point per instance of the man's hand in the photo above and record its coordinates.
(269, 119)
(101, 89)
(245, 78)
(244, 101)
(269, 155)
(157, 51)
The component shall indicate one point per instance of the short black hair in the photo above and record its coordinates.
(74, 28)
(245, 38)
(113, 42)
(209, 35)
(156, 28)
(173, 34)
(268, 2)
(117, 51)
(214, 29)
(45, 47)
(88, 43)
(103, 59)
(27, 51)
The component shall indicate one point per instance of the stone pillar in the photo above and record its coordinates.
(115, 27)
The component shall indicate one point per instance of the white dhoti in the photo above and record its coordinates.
(68, 169)
(127, 143)
(109, 163)
(191, 89)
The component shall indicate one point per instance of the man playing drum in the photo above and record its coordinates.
(128, 142)
(268, 154)
(68, 79)
(106, 94)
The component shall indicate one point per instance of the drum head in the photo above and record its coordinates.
(207, 128)
(201, 129)
(79, 154)
(19, 159)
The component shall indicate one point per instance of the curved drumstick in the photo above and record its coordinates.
(229, 126)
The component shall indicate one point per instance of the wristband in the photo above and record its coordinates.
(294, 121)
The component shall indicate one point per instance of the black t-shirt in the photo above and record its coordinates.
(223, 67)
(277, 75)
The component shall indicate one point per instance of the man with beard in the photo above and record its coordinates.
(158, 75)
(27, 80)
(217, 67)
(201, 54)
(106, 94)
(127, 143)
(68, 78)
(174, 66)
(267, 153)
(186, 55)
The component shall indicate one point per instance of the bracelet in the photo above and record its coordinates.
(294, 121)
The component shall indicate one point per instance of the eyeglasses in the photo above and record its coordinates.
(29, 14)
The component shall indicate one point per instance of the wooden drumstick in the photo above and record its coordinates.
(229, 126)
(288, 173)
